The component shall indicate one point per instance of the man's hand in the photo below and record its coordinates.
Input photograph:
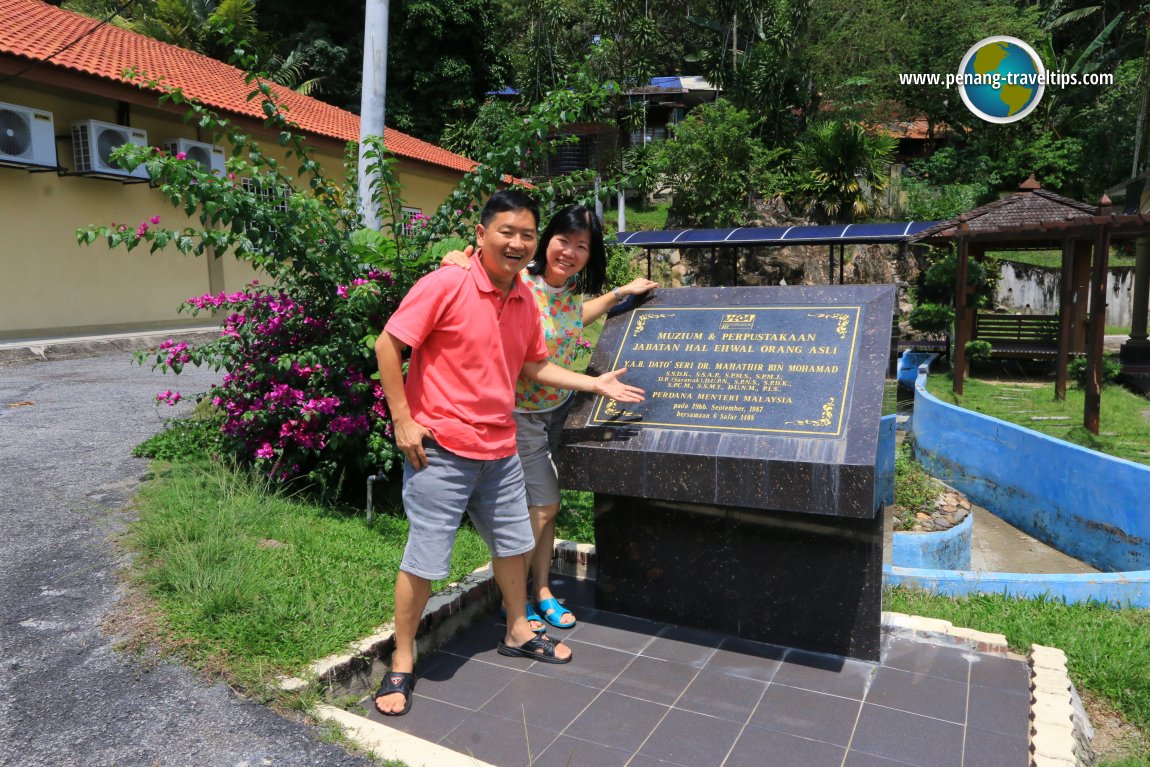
(460, 258)
(409, 436)
(609, 385)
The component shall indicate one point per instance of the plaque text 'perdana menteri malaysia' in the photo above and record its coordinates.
(769, 369)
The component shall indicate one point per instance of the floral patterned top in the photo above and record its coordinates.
(561, 310)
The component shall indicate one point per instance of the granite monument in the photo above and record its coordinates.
(740, 496)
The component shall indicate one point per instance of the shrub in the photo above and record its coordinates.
(931, 319)
(977, 351)
(1111, 370)
(196, 438)
(298, 397)
(621, 267)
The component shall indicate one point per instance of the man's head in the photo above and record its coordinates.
(508, 201)
(506, 235)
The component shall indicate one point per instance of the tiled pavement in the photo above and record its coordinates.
(647, 694)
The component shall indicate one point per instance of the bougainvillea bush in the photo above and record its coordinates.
(299, 397)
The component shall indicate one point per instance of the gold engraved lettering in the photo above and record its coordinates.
(738, 366)
(784, 337)
(813, 369)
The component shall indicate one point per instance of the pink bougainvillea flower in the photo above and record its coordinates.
(181, 155)
(154, 219)
(266, 451)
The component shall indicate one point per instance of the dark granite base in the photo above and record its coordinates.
(800, 580)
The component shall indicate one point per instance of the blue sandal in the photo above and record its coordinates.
(531, 616)
(553, 613)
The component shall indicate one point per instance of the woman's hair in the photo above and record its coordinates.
(575, 218)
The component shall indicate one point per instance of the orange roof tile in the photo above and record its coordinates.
(34, 30)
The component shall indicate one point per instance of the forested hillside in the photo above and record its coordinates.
(782, 67)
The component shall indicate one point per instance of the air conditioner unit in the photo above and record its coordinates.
(27, 137)
(92, 145)
(210, 156)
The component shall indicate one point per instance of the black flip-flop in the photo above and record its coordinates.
(540, 648)
(395, 681)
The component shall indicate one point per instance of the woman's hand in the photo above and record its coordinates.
(460, 258)
(637, 287)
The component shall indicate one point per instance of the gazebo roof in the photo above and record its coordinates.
(1029, 207)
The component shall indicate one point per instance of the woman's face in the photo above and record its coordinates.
(567, 254)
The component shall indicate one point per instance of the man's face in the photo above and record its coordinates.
(508, 243)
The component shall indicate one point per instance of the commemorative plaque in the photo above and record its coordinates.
(740, 495)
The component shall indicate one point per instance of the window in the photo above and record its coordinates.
(268, 191)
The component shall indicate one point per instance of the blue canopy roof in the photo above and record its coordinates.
(899, 231)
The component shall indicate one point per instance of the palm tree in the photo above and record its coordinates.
(199, 25)
(839, 166)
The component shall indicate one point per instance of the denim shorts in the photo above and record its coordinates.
(537, 440)
(435, 497)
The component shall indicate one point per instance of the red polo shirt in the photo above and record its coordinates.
(468, 346)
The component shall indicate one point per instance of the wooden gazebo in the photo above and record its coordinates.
(1034, 218)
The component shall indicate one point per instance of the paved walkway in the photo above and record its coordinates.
(646, 694)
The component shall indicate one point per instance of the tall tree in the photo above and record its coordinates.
(441, 61)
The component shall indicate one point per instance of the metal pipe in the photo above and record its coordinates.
(371, 481)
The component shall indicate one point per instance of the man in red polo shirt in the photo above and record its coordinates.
(472, 333)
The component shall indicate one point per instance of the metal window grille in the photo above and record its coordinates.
(266, 191)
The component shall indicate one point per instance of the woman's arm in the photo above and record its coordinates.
(597, 307)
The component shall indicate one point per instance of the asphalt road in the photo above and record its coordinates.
(68, 697)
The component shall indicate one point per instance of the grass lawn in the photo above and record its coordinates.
(654, 217)
(1124, 421)
(253, 584)
(1053, 258)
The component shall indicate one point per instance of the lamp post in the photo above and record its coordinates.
(372, 100)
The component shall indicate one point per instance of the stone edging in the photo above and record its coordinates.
(1060, 731)
(938, 631)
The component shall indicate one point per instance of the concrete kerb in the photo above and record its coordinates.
(1060, 731)
(24, 351)
(447, 612)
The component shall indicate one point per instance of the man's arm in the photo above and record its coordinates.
(409, 434)
(607, 385)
